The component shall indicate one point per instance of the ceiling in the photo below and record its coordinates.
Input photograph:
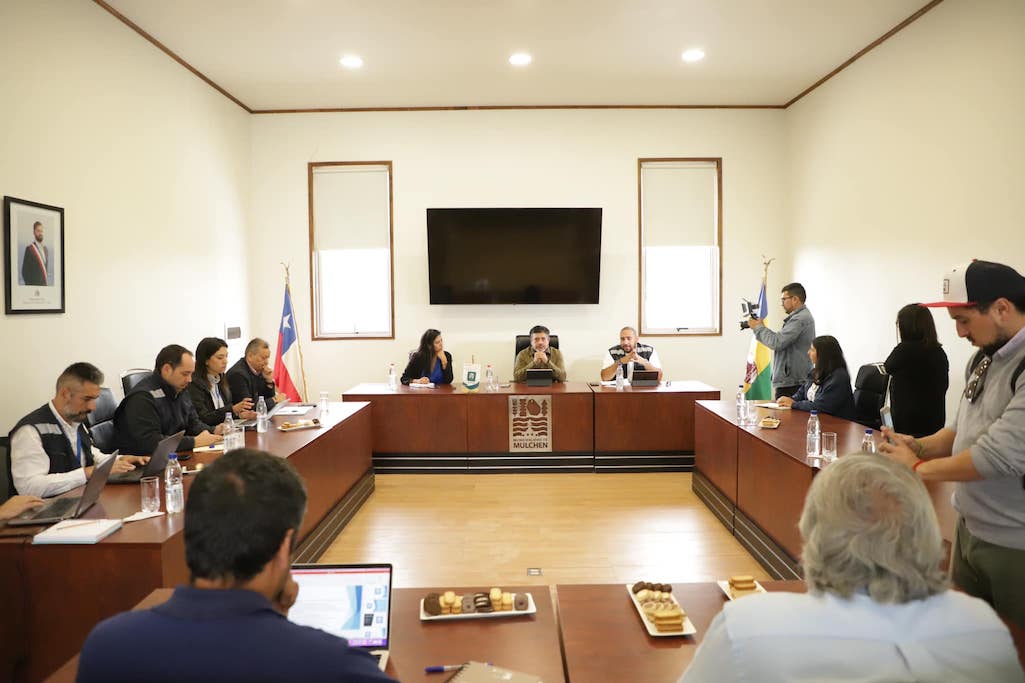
(284, 54)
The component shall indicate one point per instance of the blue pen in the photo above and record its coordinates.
(442, 668)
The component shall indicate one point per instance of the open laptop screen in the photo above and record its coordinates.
(351, 601)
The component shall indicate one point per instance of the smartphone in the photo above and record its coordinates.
(887, 420)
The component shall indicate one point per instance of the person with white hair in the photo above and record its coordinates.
(878, 606)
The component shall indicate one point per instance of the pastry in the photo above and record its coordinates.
(638, 587)
(507, 601)
(432, 605)
(482, 603)
(643, 595)
(742, 585)
(467, 606)
(457, 605)
(520, 602)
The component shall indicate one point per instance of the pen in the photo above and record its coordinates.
(442, 668)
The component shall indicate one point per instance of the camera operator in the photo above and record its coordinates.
(790, 362)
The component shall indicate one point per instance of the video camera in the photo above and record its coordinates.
(748, 310)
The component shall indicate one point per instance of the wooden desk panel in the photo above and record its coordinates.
(414, 420)
(572, 417)
(647, 419)
(715, 450)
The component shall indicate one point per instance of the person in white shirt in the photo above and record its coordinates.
(51, 447)
(878, 606)
(630, 353)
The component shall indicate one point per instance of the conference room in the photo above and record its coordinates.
(183, 156)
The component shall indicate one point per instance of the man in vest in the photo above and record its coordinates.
(983, 448)
(158, 406)
(51, 448)
(631, 354)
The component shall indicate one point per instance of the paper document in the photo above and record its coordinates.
(415, 385)
(140, 515)
(78, 531)
(293, 410)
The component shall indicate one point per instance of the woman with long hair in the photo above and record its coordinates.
(919, 374)
(828, 390)
(430, 363)
(209, 389)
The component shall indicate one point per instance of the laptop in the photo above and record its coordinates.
(68, 507)
(540, 377)
(251, 424)
(352, 601)
(644, 378)
(156, 465)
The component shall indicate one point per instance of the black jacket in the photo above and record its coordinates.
(834, 396)
(919, 378)
(418, 367)
(152, 411)
(203, 402)
(244, 384)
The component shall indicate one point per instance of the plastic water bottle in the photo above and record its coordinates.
(620, 380)
(173, 485)
(229, 432)
(814, 435)
(393, 380)
(489, 378)
(741, 406)
(868, 444)
(261, 415)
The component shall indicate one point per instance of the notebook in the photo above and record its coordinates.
(156, 465)
(69, 508)
(479, 672)
(80, 531)
(352, 601)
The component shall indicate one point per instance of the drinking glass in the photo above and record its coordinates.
(751, 413)
(324, 403)
(829, 446)
(150, 487)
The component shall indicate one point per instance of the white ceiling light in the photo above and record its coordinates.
(693, 55)
(520, 59)
(351, 61)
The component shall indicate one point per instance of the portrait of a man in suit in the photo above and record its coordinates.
(37, 258)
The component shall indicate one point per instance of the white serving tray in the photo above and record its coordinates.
(725, 586)
(297, 427)
(531, 609)
(688, 626)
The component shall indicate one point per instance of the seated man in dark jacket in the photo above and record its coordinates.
(252, 376)
(159, 406)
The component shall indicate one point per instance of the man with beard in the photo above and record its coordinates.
(631, 354)
(51, 448)
(37, 256)
(983, 449)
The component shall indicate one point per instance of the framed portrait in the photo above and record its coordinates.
(33, 257)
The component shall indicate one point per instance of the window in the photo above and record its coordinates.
(680, 223)
(351, 257)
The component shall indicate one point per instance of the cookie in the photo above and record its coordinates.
(467, 604)
(432, 604)
(521, 602)
(507, 601)
(637, 587)
(457, 605)
(643, 595)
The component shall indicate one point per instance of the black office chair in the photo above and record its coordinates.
(869, 393)
(101, 421)
(6, 480)
(523, 341)
(129, 378)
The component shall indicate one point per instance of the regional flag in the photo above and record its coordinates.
(288, 374)
(758, 379)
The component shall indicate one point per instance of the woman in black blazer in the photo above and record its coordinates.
(430, 362)
(829, 389)
(209, 389)
(919, 375)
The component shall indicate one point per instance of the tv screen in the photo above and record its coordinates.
(514, 256)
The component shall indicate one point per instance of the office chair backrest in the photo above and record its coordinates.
(869, 393)
(523, 341)
(101, 421)
(6, 481)
(129, 378)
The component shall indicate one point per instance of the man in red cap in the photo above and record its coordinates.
(983, 449)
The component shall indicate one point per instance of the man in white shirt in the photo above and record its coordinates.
(51, 448)
(630, 353)
(878, 606)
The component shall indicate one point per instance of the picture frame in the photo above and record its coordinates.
(33, 257)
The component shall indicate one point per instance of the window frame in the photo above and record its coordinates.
(314, 325)
(641, 161)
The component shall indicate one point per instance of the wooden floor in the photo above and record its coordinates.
(451, 530)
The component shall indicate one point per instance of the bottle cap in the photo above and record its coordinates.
(172, 456)
(814, 412)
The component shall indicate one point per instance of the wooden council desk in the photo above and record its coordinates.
(593, 428)
(755, 480)
(59, 592)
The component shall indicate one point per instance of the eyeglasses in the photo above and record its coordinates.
(784, 298)
(976, 382)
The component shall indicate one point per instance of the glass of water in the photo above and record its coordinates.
(324, 403)
(829, 446)
(150, 487)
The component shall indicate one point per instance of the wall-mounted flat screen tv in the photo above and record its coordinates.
(514, 256)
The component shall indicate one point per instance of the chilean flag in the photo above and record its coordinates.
(287, 374)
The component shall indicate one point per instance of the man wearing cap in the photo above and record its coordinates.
(983, 449)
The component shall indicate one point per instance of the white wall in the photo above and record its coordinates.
(516, 158)
(910, 161)
(151, 167)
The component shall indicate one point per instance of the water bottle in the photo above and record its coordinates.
(814, 435)
(620, 380)
(393, 380)
(229, 432)
(261, 415)
(868, 444)
(741, 406)
(173, 485)
(489, 378)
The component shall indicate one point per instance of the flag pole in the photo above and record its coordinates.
(298, 343)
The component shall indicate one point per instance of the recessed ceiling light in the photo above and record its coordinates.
(520, 59)
(351, 61)
(693, 55)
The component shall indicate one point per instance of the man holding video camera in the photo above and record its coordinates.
(790, 362)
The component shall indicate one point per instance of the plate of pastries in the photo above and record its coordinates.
(491, 604)
(739, 586)
(769, 423)
(661, 614)
(299, 424)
